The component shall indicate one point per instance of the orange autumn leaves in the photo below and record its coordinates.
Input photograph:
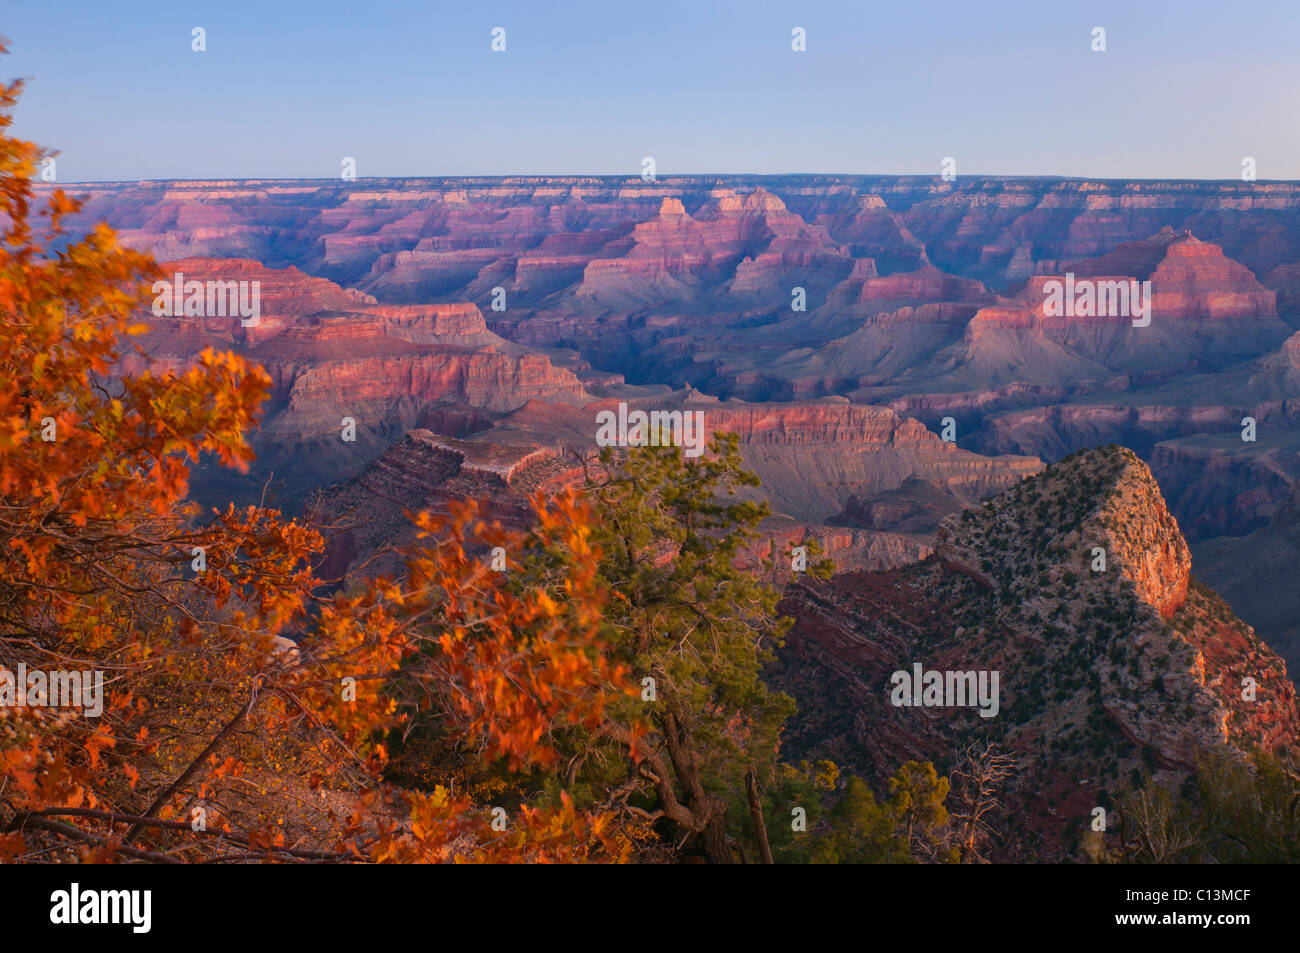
(446, 828)
(95, 533)
(517, 662)
(504, 665)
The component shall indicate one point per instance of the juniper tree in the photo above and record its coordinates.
(696, 627)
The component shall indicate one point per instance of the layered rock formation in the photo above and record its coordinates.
(1105, 669)
(365, 517)
(983, 227)
(916, 506)
(812, 458)
(579, 258)
(366, 523)
(334, 355)
(749, 247)
(1192, 279)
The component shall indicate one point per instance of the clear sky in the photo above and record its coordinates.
(286, 88)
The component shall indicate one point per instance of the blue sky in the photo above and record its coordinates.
(287, 88)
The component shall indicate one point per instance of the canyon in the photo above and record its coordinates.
(839, 322)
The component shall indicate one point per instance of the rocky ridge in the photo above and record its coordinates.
(1107, 673)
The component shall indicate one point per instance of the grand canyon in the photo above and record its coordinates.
(1095, 507)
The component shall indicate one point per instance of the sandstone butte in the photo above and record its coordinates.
(313, 335)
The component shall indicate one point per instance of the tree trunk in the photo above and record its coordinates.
(756, 814)
(715, 836)
(709, 813)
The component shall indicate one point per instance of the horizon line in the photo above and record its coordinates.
(634, 178)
